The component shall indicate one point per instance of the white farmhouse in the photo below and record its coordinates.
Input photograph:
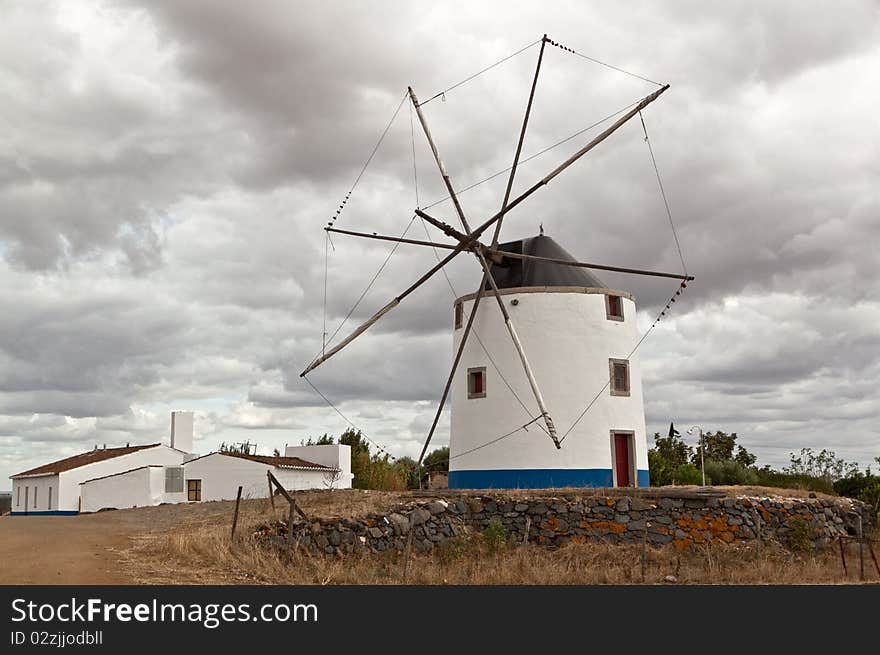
(55, 488)
(217, 476)
(579, 335)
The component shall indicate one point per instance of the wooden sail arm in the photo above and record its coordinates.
(382, 237)
(447, 229)
(601, 267)
(387, 308)
(477, 232)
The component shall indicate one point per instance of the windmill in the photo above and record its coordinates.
(493, 257)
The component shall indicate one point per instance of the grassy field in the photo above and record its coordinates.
(198, 550)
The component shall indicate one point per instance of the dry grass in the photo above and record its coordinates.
(201, 552)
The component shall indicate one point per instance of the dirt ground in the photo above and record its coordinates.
(108, 547)
(90, 548)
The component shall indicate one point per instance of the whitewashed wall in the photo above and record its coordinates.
(568, 340)
(222, 474)
(70, 480)
(42, 485)
(332, 455)
(141, 487)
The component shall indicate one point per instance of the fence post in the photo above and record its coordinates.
(645, 551)
(758, 531)
(235, 516)
(290, 525)
(271, 492)
(409, 540)
(861, 551)
(842, 556)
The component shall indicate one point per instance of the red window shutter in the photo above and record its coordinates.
(478, 382)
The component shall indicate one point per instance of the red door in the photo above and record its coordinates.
(621, 459)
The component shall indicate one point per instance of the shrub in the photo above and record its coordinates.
(495, 534)
(767, 477)
(800, 537)
(688, 474)
(729, 472)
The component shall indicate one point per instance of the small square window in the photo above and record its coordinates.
(174, 480)
(613, 308)
(459, 315)
(194, 490)
(619, 371)
(477, 382)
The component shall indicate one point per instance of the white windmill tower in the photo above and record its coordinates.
(580, 336)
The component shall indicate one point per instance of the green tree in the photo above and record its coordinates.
(324, 440)
(717, 446)
(668, 454)
(437, 460)
(824, 464)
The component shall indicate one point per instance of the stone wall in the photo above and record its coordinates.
(685, 520)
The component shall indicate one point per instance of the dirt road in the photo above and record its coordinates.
(86, 549)
(62, 549)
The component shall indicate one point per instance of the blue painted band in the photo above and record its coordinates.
(53, 512)
(537, 478)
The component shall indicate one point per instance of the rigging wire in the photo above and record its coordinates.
(369, 159)
(380, 448)
(412, 137)
(326, 262)
(370, 285)
(601, 63)
(537, 154)
(497, 439)
(663, 194)
(442, 94)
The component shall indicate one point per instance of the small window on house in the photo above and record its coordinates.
(619, 370)
(459, 315)
(613, 308)
(477, 382)
(174, 480)
(193, 489)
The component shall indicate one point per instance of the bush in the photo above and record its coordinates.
(688, 474)
(800, 537)
(767, 477)
(495, 534)
(861, 486)
(729, 472)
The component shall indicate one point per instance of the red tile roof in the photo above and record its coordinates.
(82, 459)
(282, 462)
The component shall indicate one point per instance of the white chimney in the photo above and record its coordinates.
(182, 431)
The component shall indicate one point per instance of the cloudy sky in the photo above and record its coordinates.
(166, 169)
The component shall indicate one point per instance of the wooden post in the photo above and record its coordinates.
(842, 556)
(290, 525)
(273, 480)
(873, 556)
(408, 549)
(645, 552)
(235, 516)
(861, 550)
(528, 527)
(758, 532)
(271, 492)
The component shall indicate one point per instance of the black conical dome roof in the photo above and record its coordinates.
(514, 272)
